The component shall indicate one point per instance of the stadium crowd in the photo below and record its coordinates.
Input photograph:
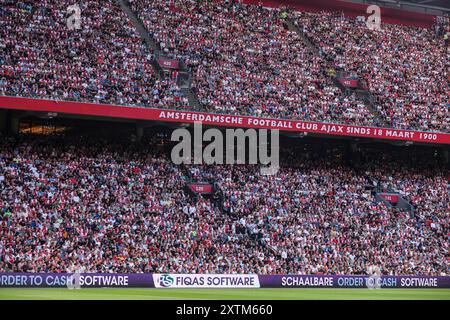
(111, 206)
(97, 206)
(245, 60)
(405, 67)
(45, 53)
(323, 217)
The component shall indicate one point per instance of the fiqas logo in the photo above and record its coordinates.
(166, 280)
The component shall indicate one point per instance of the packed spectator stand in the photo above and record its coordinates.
(405, 67)
(104, 205)
(96, 205)
(43, 53)
(320, 215)
(101, 205)
(243, 59)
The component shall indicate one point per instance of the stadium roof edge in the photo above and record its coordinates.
(434, 7)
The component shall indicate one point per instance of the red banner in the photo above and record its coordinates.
(389, 197)
(141, 113)
(168, 63)
(201, 188)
